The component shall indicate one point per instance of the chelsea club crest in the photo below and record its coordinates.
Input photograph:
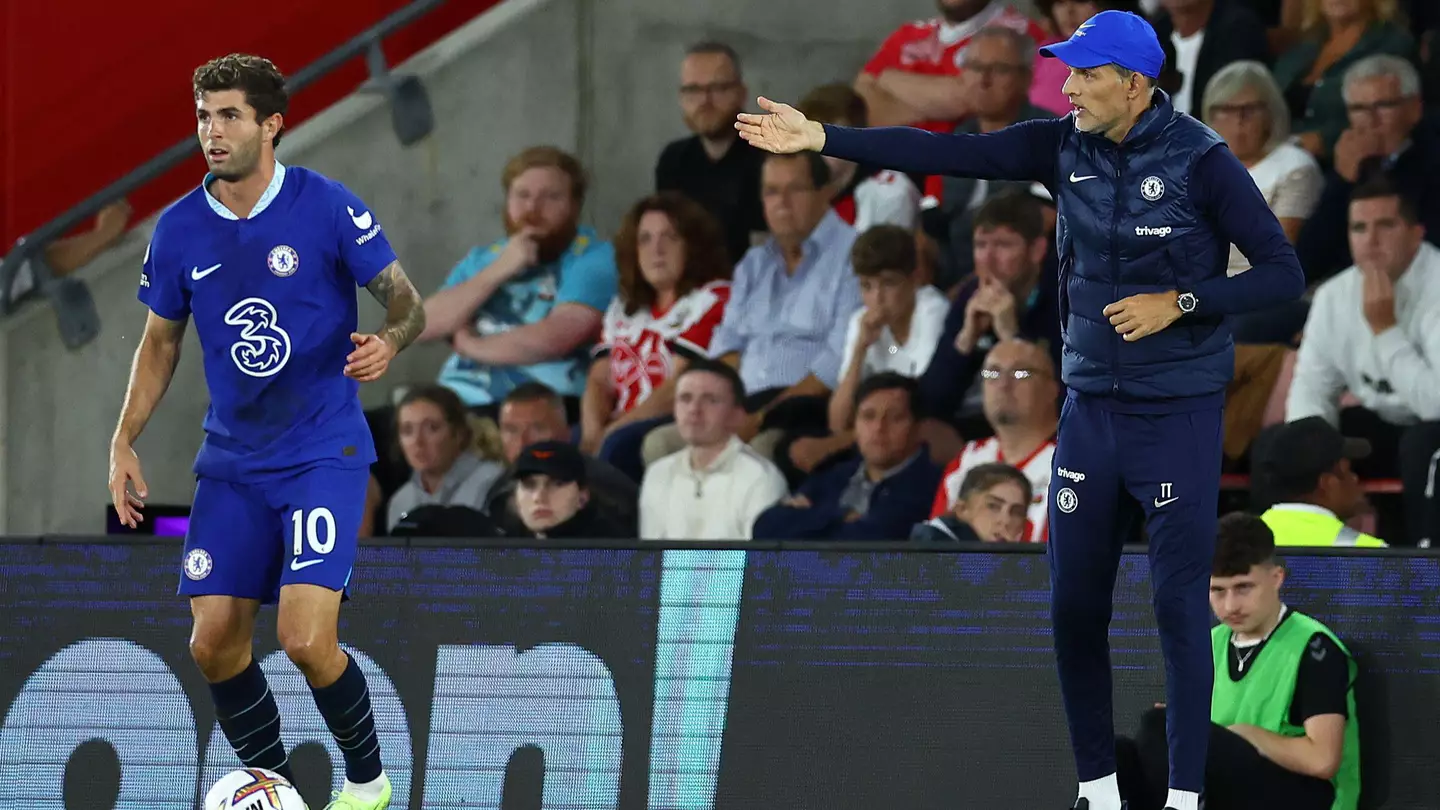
(198, 564)
(283, 261)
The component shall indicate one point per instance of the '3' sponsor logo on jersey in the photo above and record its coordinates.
(263, 348)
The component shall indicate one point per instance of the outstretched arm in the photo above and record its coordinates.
(1023, 151)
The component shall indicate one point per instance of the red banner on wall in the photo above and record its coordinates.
(89, 91)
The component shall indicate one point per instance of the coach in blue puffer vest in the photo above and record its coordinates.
(1149, 201)
(1115, 243)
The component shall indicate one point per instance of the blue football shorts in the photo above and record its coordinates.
(248, 540)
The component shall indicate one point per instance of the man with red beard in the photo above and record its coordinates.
(714, 167)
(526, 308)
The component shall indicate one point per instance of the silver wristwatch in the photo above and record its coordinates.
(1187, 302)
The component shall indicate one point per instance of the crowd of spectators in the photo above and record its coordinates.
(794, 346)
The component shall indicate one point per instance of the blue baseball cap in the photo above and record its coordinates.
(1112, 38)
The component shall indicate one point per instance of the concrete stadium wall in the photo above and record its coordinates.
(595, 76)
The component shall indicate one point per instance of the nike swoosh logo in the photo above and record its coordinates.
(362, 221)
(1075, 179)
(1159, 503)
(296, 565)
(196, 273)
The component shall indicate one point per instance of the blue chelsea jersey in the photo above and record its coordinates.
(273, 298)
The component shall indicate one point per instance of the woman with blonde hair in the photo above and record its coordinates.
(437, 438)
(1335, 34)
(1244, 104)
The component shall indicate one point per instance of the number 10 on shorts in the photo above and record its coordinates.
(315, 528)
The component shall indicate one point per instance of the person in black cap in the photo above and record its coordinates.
(1301, 471)
(1149, 202)
(552, 498)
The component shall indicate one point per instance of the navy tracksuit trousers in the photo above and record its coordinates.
(1106, 454)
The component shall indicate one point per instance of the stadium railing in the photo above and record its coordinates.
(75, 311)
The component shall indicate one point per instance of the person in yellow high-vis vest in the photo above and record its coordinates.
(1302, 471)
(1283, 729)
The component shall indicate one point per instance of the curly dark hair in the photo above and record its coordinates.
(706, 258)
(257, 77)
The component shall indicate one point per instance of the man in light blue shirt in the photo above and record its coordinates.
(526, 308)
(790, 300)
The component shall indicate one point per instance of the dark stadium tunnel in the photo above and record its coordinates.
(92, 777)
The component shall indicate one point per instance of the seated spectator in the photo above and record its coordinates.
(1373, 331)
(1301, 471)
(673, 291)
(552, 499)
(532, 413)
(1258, 367)
(1334, 36)
(789, 302)
(527, 307)
(1382, 97)
(1021, 396)
(863, 196)
(1283, 728)
(1011, 295)
(878, 496)
(911, 79)
(1244, 105)
(1208, 35)
(996, 80)
(716, 487)
(896, 329)
(991, 507)
(436, 439)
(66, 255)
(1063, 17)
(714, 166)
(899, 323)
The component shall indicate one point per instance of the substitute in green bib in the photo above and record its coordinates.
(1283, 731)
(1302, 471)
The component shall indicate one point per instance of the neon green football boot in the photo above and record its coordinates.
(349, 801)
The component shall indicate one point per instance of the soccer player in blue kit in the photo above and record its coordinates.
(1150, 201)
(266, 259)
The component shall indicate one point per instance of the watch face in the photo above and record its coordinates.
(1186, 302)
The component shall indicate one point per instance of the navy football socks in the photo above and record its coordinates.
(250, 719)
(345, 705)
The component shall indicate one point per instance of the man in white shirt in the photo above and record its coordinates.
(896, 328)
(716, 487)
(1374, 331)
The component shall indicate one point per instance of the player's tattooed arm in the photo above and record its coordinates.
(404, 309)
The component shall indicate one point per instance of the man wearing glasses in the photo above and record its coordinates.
(1021, 397)
(1383, 103)
(714, 166)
